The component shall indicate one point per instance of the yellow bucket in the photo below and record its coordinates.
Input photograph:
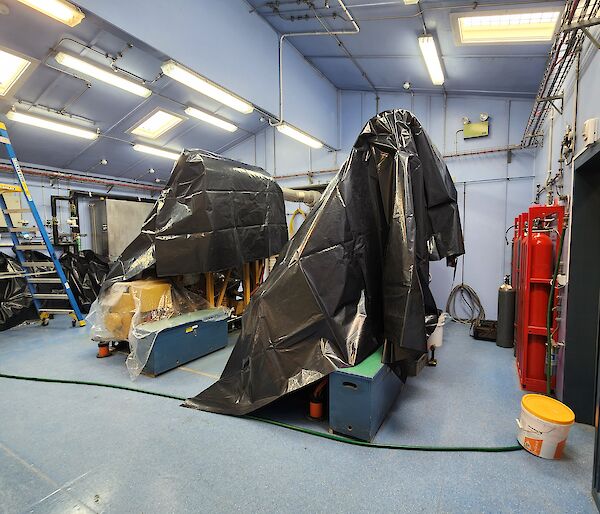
(544, 425)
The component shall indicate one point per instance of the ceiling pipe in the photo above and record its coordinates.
(282, 38)
(73, 177)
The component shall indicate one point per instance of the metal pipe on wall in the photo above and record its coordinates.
(73, 177)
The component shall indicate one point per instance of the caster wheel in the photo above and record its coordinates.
(45, 322)
(73, 323)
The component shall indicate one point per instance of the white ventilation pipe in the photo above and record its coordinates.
(310, 198)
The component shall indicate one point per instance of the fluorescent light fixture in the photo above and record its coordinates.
(60, 10)
(156, 124)
(56, 126)
(506, 26)
(432, 59)
(411, 2)
(298, 135)
(12, 68)
(156, 151)
(104, 74)
(210, 118)
(206, 87)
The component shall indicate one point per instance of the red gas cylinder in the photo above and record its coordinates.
(541, 255)
(541, 249)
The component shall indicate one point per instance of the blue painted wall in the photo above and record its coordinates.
(236, 49)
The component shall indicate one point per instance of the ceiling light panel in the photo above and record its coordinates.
(156, 124)
(12, 68)
(104, 74)
(60, 10)
(55, 126)
(432, 59)
(298, 135)
(506, 27)
(210, 118)
(156, 151)
(206, 87)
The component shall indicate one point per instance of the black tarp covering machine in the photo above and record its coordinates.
(355, 275)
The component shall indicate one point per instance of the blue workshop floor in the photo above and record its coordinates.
(67, 448)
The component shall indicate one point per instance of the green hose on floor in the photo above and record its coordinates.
(333, 437)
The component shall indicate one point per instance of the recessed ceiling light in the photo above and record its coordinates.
(104, 74)
(60, 10)
(156, 124)
(505, 26)
(12, 68)
(55, 126)
(211, 118)
(201, 84)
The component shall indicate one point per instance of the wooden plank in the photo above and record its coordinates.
(210, 289)
(223, 289)
(247, 287)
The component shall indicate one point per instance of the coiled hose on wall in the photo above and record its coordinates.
(324, 435)
(470, 300)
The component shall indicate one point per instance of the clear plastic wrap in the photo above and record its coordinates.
(128, 311)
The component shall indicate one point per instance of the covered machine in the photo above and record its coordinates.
(354, 277)
(214, 215)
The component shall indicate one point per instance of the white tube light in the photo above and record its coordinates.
(106, 75)
(47, 124)
(156, 151)
(432, 59)
(194, 81)
(209, 118)
(298, 135)
(60, 10)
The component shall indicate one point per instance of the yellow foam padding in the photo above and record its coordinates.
(112, 322)
(151, 294)
(125, 303)
(548, 409)
(123, 333)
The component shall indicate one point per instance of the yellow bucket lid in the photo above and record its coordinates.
(548, 409)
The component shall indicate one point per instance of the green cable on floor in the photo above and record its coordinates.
(332, 437)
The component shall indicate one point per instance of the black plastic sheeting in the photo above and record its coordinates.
(85, 273)
(15, 302)
(354, 276)
(214, 214)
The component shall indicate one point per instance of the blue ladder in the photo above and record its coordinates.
(56, 275)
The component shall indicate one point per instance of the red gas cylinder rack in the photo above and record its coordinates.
(538, 238)
(515, 268)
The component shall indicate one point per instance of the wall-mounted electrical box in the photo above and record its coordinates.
(479, 129)
(590, 131)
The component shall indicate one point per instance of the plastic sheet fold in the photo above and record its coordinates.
(354, 276)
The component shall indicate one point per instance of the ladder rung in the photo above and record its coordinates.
(51, 296)
(34, 264)
(10, 188)
(23, 229)
(15, 211)
(44, 281)
(57, 311)
(32, 247)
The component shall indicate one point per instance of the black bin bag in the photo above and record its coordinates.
(354, 276)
